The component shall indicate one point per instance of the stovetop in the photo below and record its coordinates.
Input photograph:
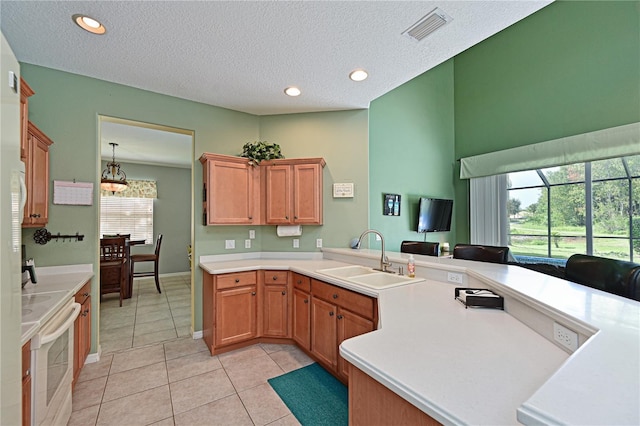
(39, 307)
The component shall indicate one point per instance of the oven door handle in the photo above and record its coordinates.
(64, 327)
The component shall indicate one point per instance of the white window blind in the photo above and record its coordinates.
(119, 215)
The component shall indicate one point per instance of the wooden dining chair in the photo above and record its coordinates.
(151, 257)
(113, 266)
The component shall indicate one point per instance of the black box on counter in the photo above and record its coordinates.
(479, 298)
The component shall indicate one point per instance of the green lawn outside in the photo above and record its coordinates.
(567, 241)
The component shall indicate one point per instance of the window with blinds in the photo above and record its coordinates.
(119, 215)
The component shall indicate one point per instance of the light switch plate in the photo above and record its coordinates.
(252, 233)
(229, 244)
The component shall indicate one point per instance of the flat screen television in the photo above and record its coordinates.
(434, 215)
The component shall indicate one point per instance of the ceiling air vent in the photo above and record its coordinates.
(427, 25)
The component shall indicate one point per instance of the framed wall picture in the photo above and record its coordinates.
(391, 206)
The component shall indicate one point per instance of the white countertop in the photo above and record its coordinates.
(471, 366)
(56, 285)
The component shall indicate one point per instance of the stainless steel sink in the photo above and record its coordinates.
(368, 277)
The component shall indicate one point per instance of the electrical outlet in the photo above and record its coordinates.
(319, 243)
(229, 244)
(252, 234)
(454, 278)
(296, 243)
(247, 243)
(564, 336)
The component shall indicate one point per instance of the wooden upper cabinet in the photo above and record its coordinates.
(293, 191)
(231, 190)
(36, 211)
(277, 192)
(25, 93)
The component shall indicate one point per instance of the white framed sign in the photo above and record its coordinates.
(343, 190)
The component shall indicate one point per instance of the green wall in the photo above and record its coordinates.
(411, 143)
(66, 107)
(171, 215)
(570, 68)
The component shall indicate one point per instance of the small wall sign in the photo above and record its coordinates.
(343, 190)
(391, 206)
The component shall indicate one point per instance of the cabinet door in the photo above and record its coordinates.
(302, 318)
(229, 188)
(82, 330)
(36, 212)
(276, 311)
(307, 194)
(324, 332)
(25, 92)
(278, 186)
(235, 317)
(350, 325)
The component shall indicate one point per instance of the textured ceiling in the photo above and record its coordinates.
(242, 54)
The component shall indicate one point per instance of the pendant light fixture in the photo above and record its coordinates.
(113, 178)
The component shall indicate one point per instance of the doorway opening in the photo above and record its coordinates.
(157, 161)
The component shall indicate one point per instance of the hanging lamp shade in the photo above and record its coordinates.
(113, 179)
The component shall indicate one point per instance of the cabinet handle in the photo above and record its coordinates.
(306, 300)
(237, 280)
(85, 313)
(335, 296)
(295, 217)
(331, 313)
(34, 215)
(299, 282)
(85, 294)
(339, 316)
(275, 278)
(284, 293)
(253, 293)
(28, 372)
(250, 217)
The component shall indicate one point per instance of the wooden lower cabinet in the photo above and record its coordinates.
(269, 306)
(350, 325)
(371, 403)
(275, 320)
(82, 330)
(236, 315)
(302, 318)
(333, 320)
(324, 332)
(26, 384)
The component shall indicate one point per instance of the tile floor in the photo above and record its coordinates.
(148, 376)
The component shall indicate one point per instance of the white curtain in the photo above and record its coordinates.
(488, 202)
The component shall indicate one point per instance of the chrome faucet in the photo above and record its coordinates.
(384, 260)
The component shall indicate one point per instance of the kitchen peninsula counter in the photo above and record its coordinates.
(472, 366)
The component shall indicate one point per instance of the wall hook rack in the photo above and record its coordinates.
(43, 236)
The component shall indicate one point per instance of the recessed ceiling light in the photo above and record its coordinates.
(358, 75)
(89, 24)
(292, 91)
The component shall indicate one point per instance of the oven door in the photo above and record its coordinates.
(52, 364)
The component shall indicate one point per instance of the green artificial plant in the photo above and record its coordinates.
(261, 150)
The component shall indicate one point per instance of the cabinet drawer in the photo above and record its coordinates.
(237, 279)
(275, 277)
(83, 293)
(352, 301)
(301, 282)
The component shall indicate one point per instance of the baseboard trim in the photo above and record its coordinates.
(196, 334)
(93, 357)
